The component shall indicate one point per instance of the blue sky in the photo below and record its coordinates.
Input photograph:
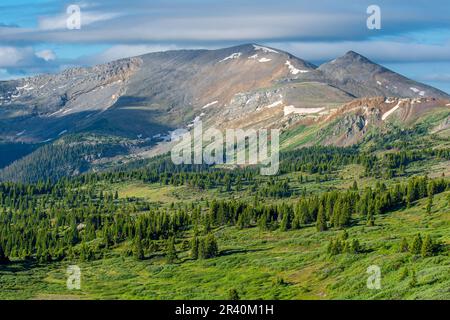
(414, 38)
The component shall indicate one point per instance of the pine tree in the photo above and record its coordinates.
(171, 253)
(404, 246)
(429, 203)
(321, 223)
(427, 247)
(413, 281)
(138, 250)
(355, 246)
(208, 247)
(262, 222)
(416, 246)
(233, 295)
(284, 225)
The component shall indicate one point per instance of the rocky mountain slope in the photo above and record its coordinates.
(132, 105)
(363, 78)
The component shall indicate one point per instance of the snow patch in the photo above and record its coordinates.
(264, 60)
(292, 109)
(293, 69)
(24, 87)
(273, 105)
(21, 133)
(62, 132)
(415, 90)
(210, 104)
(264, 49)
(253, 56)
(235, 55)
(379, 83)
(388, 100)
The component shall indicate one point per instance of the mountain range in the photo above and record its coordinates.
(95, 118)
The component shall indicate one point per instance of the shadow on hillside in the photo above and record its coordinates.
(18, 266)
(237, 251)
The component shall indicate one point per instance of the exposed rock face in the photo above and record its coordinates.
(142, 99)
(363, 78)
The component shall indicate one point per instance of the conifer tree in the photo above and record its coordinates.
(427, 247)
(138, 250)
(321, 223)
(404, 246)
(171, 253)
(429, 203)
(209, 248)
(233, 295)
(416, 246)
(284, 225)
(413, 281)
(355, 246)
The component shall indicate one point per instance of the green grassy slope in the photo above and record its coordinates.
(262, 265)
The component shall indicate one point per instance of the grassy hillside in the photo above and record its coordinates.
(133, 231)
(262, 265)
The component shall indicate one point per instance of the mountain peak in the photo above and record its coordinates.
(355, 56)
(362, 77)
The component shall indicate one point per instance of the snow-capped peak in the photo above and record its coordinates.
(264, 49)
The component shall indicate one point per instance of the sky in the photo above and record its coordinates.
(413, 39)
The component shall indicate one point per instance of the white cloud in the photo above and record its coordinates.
(15, 57)
(47, 55)
(59, 22)
(378, 50)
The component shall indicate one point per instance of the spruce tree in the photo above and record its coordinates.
(355, 246)
(284, 225)
(171, 253)
(427, 247)
(413, 282)
(321, 223)
(138, 250)
(233, 295)
(416, 246)
(404, 246)
(429, 203)
(208, 247)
